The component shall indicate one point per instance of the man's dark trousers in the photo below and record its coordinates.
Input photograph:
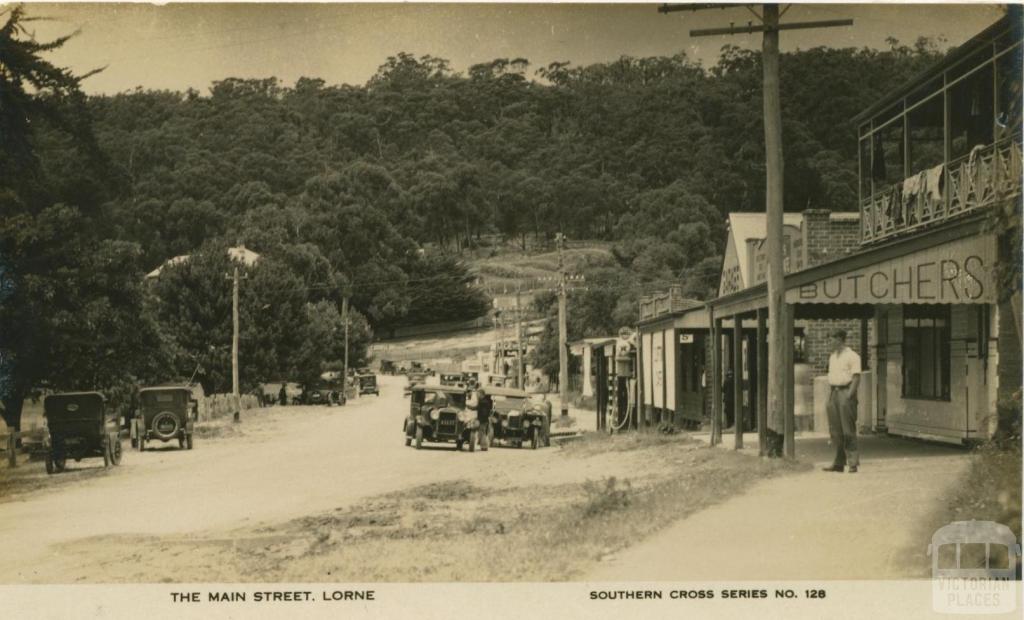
(842, 424)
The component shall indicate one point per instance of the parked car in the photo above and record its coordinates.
(516, 420)
(387, 367)
(320, 394)
(438, 413)
(368, 384)
(165, 413)
(78, 427)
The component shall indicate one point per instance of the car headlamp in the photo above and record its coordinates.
(435, 414)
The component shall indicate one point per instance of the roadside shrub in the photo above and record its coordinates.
(605, 496)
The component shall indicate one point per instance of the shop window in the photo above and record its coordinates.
(926, 336)
(971, 112)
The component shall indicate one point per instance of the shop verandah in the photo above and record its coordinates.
(925, 321)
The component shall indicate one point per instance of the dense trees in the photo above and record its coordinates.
(374, 191)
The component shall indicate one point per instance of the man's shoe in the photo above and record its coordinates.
(853, 469)
(834, 468)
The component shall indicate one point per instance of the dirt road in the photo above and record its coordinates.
(290, 462)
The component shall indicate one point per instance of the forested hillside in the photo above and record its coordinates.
(376, 191)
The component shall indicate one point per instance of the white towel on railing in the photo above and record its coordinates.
(911, 187)
(933, 184)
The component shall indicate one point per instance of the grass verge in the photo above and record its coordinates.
(467, 530)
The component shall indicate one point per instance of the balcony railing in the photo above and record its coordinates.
(665, 302)
(968, 183)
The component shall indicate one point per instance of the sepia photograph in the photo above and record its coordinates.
(599, 310)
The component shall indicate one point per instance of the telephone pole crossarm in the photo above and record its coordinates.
(752, 28)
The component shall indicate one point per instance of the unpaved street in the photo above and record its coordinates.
(289, 462)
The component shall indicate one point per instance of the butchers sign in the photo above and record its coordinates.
(958, 272)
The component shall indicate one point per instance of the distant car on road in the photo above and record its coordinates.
(319, 394)
(438, 413)
(368, 384)
(165, 413)
(413, 379)
(78, 427)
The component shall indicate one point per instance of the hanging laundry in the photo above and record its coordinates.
(934, 182)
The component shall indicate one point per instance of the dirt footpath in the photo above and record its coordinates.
(815, 525)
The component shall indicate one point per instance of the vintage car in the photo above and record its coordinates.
(368, 384)
(165, 413)
(414, 378)
(78, 426)
(516, 420)
(438, 413)
(322, 393)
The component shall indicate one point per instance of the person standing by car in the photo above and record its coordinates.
(483, 405)
(282, 396)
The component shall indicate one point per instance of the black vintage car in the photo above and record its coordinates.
(438, 413)
(165, 413)
(320, 394)
(515, 420)
(368, 384)
(78, 427)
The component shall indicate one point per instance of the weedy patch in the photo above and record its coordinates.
(598, 443)
(453, 490)
(605, 496)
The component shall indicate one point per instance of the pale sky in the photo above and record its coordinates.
(178, 46)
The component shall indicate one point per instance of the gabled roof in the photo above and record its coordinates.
(745, 226)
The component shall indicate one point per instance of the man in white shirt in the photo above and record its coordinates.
(843, 378)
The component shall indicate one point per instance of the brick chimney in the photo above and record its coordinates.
(816, 236)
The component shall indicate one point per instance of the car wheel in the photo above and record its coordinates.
(59, 462)
(115, 452)
(419, 436)
(106, 453)
(49, 463)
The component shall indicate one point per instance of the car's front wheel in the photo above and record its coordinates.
(419, 436)
(115, 451)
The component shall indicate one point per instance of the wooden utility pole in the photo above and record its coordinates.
(344, 372)
(563, 353)
(234, 348)
(777, 319)
(520, 349)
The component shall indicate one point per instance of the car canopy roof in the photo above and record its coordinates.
(504, 391)
(166, 388)
(92, 401)
(447, 389)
